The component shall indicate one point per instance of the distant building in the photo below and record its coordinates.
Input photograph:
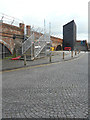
(69, 35)
(56, 42)
(81, 45)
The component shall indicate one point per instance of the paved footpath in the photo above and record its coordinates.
(58, 90)
(56, 57)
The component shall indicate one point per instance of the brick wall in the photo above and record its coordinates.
(56, 41)
(7, 32)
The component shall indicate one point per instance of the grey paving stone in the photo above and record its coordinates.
(55, 91)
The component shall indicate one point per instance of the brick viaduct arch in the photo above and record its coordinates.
(7, 46)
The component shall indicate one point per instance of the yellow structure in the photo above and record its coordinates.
(52, 48)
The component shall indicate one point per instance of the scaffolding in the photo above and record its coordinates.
(36, 47)
(9, 19)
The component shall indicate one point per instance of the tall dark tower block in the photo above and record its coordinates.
(69, 35)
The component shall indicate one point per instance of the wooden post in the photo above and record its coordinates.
(2, 52)
(75, 52)
(63, 55)
(24, 59)
(33, 49)
(71, 53)
(50, 57)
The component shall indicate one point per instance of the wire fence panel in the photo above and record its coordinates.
(9, 19)
(40, 44)
(27, 44)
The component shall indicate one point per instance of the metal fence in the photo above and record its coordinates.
(36, 43)
(9, 19)
(27, 44)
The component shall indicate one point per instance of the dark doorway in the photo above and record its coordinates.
(4, 51)
(58, 48)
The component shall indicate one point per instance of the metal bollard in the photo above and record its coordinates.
(63, 55)
(71, 53)
(24, 59)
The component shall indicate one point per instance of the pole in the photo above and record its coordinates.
(79, 51)
(63, 55)
(2, 51)
(49, 30)
(71, 53)
(44, 29)
(45, 35)
(24, 59)
(75, 52)
(33, 50)
(50, 57)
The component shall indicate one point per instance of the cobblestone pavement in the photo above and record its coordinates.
(52, 91)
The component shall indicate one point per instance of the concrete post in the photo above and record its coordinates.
(71, 53)
(63, 55)
(24, 59)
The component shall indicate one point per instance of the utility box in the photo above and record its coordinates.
(69, 35)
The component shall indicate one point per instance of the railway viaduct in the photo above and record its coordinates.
(11, 37)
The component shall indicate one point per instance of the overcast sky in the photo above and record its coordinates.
(58, 12)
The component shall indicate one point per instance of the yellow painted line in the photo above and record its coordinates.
(27, 67)
(42, 65)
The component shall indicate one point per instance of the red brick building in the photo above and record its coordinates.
(11, 37)
(7, 34)
(56, 41)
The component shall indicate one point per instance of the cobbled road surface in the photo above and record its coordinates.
(58, 90)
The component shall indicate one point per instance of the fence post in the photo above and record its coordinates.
(24, 59)
(63, 55)
(33, 50)
(50, 57)
(75, 52)
(71, 53)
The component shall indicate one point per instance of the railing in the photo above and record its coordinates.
(35, 46)
(9, 19)
(27, 44)
(40, 44)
